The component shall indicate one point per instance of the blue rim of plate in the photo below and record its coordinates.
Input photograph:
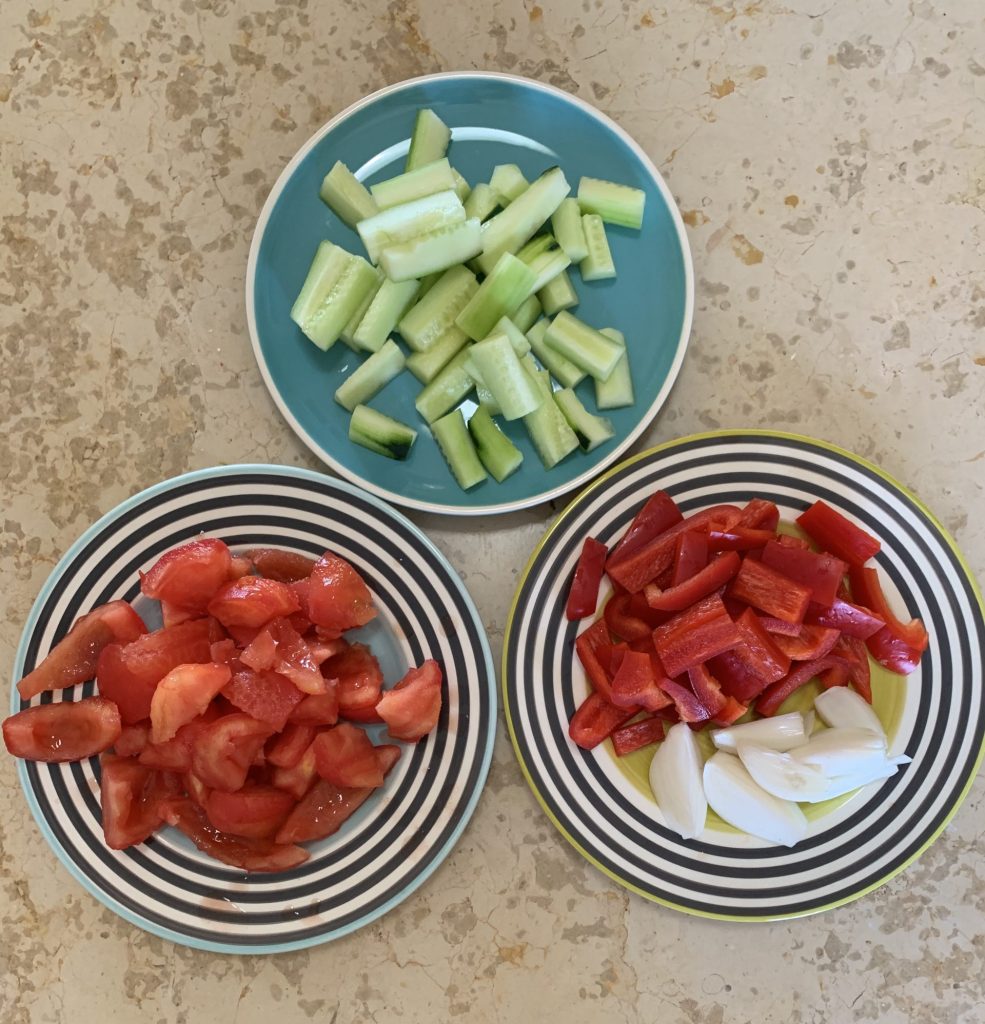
(601, 459)
(425, 614)
(849, 851)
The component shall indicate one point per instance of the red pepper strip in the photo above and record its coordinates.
(609, 656)
(587, 645)
(731, 713)
(774, 625)
(770, 591)
(738, 677)
(769, 701)
(595, 719)
(897, 646)
(648, 562)
(584, 593)
(637, 735)
(811, 643)
(850, 619)
(636, 685)
(837, 675)
(695, 635)
(831, 531)
(690, 556)
(659, 513)
(788, 541)
(759, 514)
(707, 689)
(761, 652)
(639, 609)
(709, 579)
(821, 572)
(738, 538)
(726, 518)
(621, 622)
(859, 672)
(689, 708)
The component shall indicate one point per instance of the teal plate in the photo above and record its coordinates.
(494, 119)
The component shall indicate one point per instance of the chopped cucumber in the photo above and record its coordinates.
(456, 445)
(380, 433)
(483, 201)
(505, 377)
(561, 369)
(364, 382)
(615, 204)
(558, 294)
(499, 295)
(505, 325)
(537, 245)
(404, 188)
(508, 230)
(336, 284)
(347, 196)
(526, 314)
(429, 140)
(462, 188)
(591, 430)
(498, 453)
(437, 250)
(617, 391)
(387, 307)
(508, 181)
(431, 316)
(425, 366)
(547, 266)
(408, 220)
(349, 330)
(486, 400)
(548, 429)
(428, 281)
(446, 389)
(587, 348)
(567, 227)
(597, 265)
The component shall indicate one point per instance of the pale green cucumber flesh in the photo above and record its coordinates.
(562, 370)
(456, 446)
(387, 307)
(436, 250)
(504, 376)
(617, 391)
(349, 330)
(429, 140)
(446, 389)
(549, 431)
(346, 196)
(426, 365)
(527, 313)
(590, 429)
(434, 313)
(615, 204)
(380, 433)
(423, 181)
(483, 201)
(336, 284)
(567, 228)
(499, 295)
(372, 376)
(597, 265)
(587, 348)
(496, 451)
(558, 294)
(408, 220)
(508, 181)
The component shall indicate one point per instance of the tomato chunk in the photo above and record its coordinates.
(265, 696)
(359, 682)
(186, 577)
(298, 778)
(183, 694)
(225, 750)
(281, 565)
(345, 755)
(254, 812)
(295, 659)
(584, 593)
(319, 708)
(74, 658)
(132, 739)
(132, 799)
(411, 709)
(285, 749)
(252, 601)
(175, 755)
(338, 597)
(68, 731)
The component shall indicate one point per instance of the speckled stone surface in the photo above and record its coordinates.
(829, 159)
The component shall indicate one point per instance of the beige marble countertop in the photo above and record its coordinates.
(829, 158)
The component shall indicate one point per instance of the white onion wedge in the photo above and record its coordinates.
(843, 708)
(839, 785)
(782, 775)
(675, 778)
(784, 732)
(734, 797)
(843, 751)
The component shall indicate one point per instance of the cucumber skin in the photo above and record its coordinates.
(455, 443)
(365, 426)
(497, 452)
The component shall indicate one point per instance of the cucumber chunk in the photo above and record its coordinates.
(431, 316)
(497, 452)
(508, 181)
(446, 389)
(387, 307)
(591, 430)
(436, 250)
(597, 265)
(405, 188)
(587, 348)
(380, 433)
(506, 325)
(346, 196)
(562, 370)
(408, 220)
(617, 391)
(527, 313)
(455, 443)
(558, 294)
(426, 365)
(372, 376)
(615, 204)
(502, 373)
(549, 431)
(462, 188)
(429, 140)
(348, 332)
(567, 227)
(483, 201)
(499, 295)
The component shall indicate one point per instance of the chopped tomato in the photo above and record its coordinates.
(175, 755)
(132, 739)
(411, 709)
(595, 719)
(283, 566)
(254, 812)
(129, 673)
(658, 514)
(183, 694)
(326, 806)
(67, 731)
(319, 708)
(265, 696)
(584, 593)
(132, 799)
(833, 532)
(285, 749)
(359, 682)
(338, 597)
(346, 756)
(171, 614)
(770, 591)
(260, 652)
(695, 635)
(225, 750)
(224, 652)
(187, 576)
(294, 659)
(196, 788)
(251, 602)
(74, 658)
(637, 735)
(300, 776)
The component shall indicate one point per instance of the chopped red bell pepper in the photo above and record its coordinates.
(636, 685)
(709, 579)
(811, 643)
(760, 514)
(639, 609)
(637, 735)
(774, 625)
(584, 594)
(738, 538)
(707, 689)
(856, 657)
(789, 541)
(837, 675)
(587, 645)
(759, 651)
(769, 701)
(898, 646)
(689, 708)
(637, 569)
(850, 619)
(730, 713)
(659, 513)
(821, 572)
(690, 556)
(622, 622)
(770, 591)
(739, 677)
(833, 532)
(695, 635)
(595, 720)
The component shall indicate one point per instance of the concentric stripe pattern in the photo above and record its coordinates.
(399, 836)
(850, 850)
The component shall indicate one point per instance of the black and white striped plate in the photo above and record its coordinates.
(938, 719)
(397, 839)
